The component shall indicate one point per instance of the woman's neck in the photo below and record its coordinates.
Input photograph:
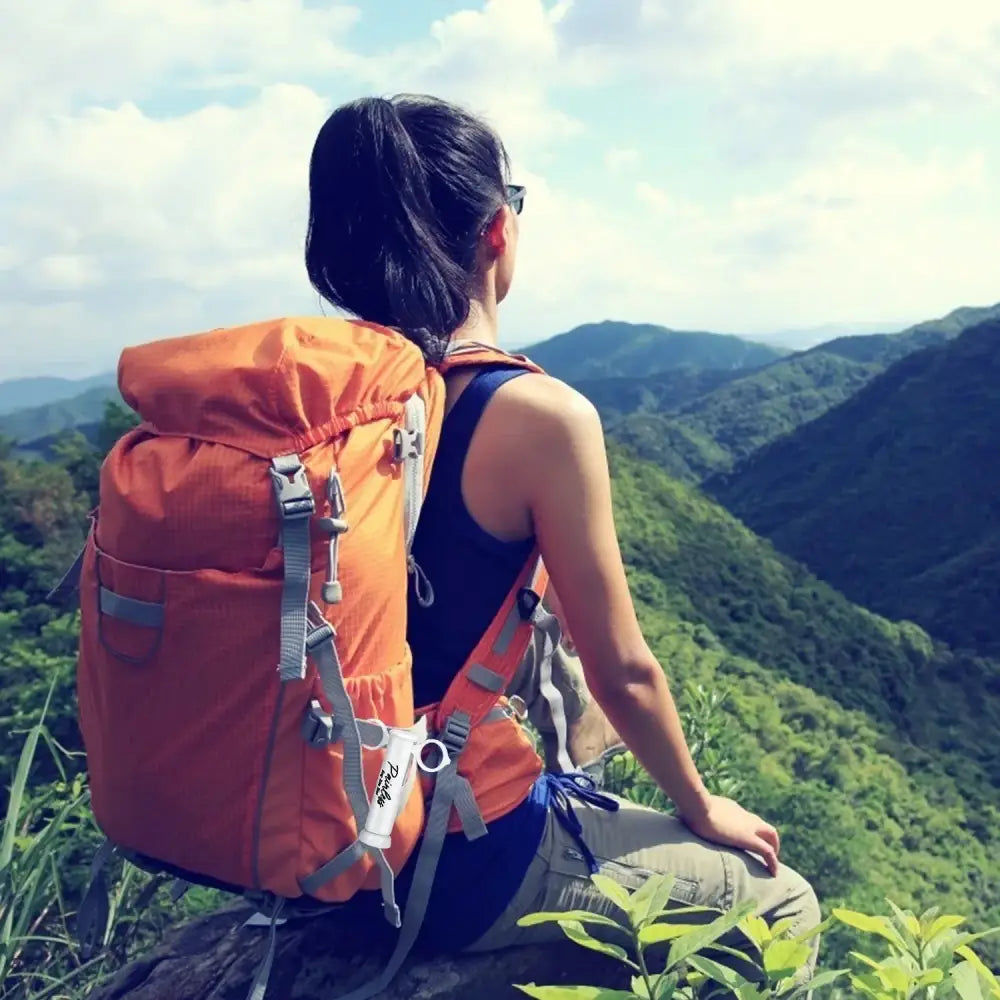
(480, 326)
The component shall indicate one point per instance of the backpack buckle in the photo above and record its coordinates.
(406, 444)
(291, 488)
(455, 733)
(318, 728)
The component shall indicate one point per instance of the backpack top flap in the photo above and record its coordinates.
(268, 388)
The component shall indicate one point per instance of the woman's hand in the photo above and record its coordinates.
(724, 821)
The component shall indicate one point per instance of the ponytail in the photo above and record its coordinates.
(399, 193)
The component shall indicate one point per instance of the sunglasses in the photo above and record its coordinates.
(515, 197)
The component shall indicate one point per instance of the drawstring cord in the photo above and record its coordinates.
(577, 785)
(422, 589)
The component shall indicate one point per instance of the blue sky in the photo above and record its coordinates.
(738, 165)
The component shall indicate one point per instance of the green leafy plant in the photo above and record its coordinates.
(928, 956)
(46, 838)
(33, 913)
(651, 919)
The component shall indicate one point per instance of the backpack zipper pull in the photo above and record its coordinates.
(334, 526)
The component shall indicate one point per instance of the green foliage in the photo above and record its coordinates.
(928, 956)
(48, 835)
(892, 496)
(773, 962)
(872, 748)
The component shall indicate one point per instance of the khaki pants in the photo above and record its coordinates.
(629, 845)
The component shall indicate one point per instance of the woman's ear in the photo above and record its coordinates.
(495, 233)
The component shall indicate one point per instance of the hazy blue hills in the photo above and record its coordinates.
(613, 349)
(894, 495)
(22, 393)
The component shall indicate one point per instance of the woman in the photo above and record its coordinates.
(413, 225)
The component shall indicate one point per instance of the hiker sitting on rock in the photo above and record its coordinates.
(414, 226)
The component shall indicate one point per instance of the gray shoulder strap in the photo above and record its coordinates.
(296, 505)
(412, 456)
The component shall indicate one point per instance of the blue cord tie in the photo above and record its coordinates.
(576, 785)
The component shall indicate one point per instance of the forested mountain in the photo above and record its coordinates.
(29, 424)
(894, 496)
(875, 749)
(612, 349)
(697, 403)
(886, 348)
(697, 436)
(21, 393)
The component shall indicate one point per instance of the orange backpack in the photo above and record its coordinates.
(243, 658)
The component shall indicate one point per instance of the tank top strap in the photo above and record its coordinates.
(461, 422)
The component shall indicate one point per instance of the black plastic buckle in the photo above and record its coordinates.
(527, 603)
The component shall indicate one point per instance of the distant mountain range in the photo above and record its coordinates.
(894, 496)
(611, 349)
(698, 402)
(24, 393)
(698, 434)
(36, 422)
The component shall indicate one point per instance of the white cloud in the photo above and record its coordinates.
(63, 53)
(865, 231)
(778, 69)
(155, 226)
(620, 161)
(123, 222)
(500, 60)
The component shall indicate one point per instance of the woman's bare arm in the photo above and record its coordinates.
(563, 473)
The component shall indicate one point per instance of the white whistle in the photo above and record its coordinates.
(403, 748)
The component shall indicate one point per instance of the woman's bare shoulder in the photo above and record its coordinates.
(542, 400)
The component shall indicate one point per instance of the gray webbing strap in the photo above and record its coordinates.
(296, 505)
(371, 732)
(70, 580)
(390, 907)
(350, 855)
(497, 713)
(485, 678)
(515, 618)
(258, 988)
(178, 890)
(322, 644)
(508, 631)
(467, 808)
(95, 909)
(548, 625)
(410, 446)
(445, 792)
(411, 453)
(129, 609)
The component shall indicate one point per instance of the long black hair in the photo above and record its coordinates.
(399, 193)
